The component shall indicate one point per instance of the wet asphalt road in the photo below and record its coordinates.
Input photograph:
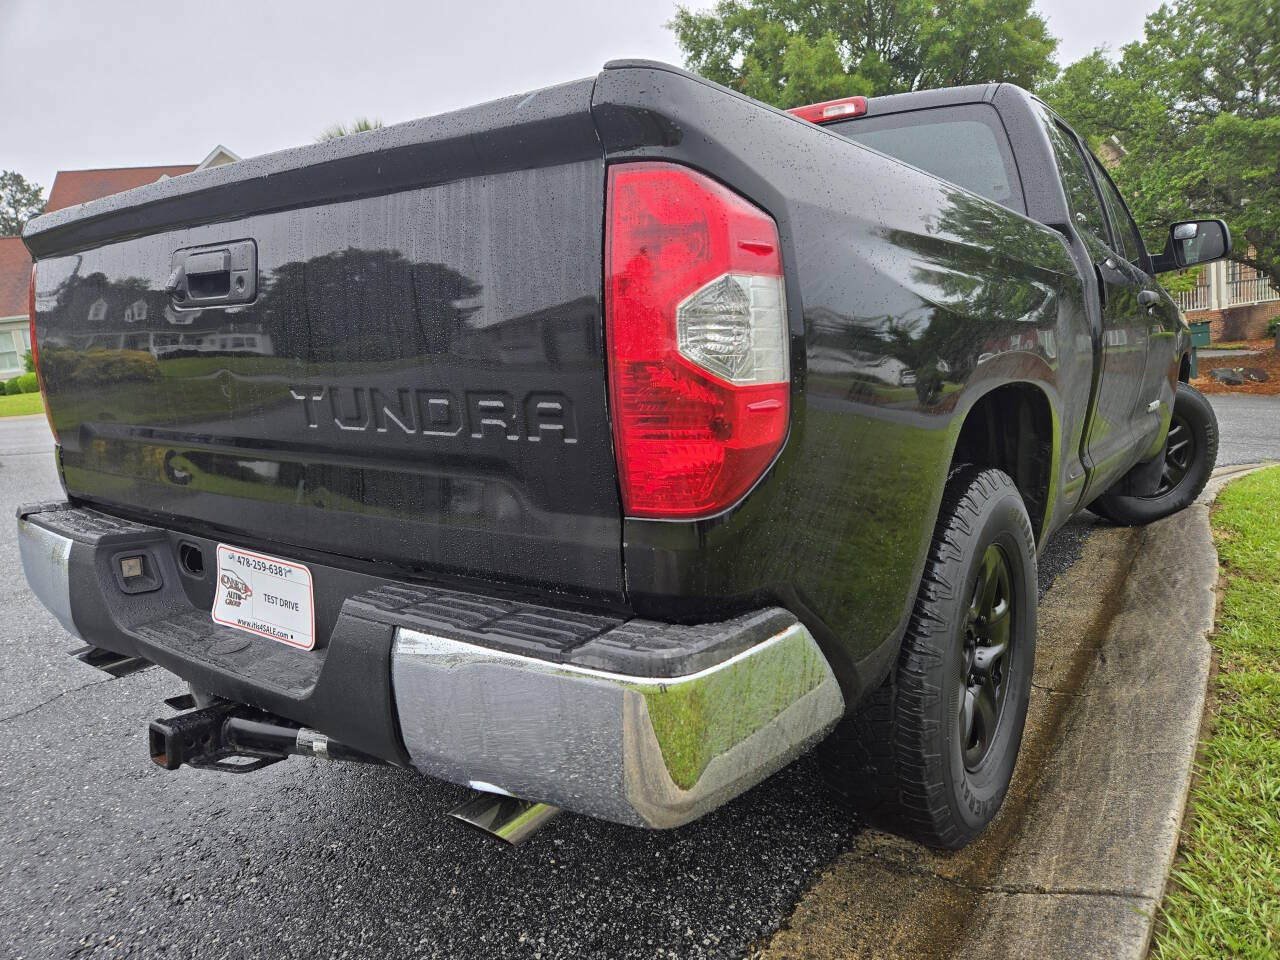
(1249, 428)
(105, 855)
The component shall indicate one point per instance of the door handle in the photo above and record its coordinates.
(216, 275)
(1148, 298)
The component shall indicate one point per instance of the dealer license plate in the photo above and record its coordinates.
(266, 596)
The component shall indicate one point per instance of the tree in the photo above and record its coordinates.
(1196, 103)
(340, 130)
(308, 306)
(20, 200)
(790, 52)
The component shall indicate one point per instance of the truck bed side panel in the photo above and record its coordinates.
(909, 298)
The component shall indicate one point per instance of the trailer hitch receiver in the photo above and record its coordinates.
(237, 739)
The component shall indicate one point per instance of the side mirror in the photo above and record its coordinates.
(1191, 242)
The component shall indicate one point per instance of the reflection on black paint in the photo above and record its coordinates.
(977, 290)
(366, 305)
(910, 313)
(482, 299)
(434, 394)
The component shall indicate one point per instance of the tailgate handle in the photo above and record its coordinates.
(225, 273)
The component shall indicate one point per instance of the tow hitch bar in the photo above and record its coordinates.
(237, 739)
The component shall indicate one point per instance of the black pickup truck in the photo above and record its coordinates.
(609, 446)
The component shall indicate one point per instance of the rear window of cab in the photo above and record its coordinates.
(965, 144)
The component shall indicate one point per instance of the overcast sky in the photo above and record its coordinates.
(140, 82)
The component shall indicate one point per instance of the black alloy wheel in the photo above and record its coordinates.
(1190, 452)
(1179, 455)
(985, 658)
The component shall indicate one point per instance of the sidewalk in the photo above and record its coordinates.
(1076, 862)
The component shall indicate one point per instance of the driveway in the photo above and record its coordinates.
(106, 855)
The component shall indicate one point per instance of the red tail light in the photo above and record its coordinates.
(35, 351)
(830, 110)
(696, 318)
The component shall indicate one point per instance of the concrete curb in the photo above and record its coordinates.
(1076, 863)
(1103, 833)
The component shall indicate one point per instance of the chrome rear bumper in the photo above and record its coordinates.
(642, 751)
(46, 558)
(642, 723)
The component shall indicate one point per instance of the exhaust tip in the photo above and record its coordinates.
(510, 819)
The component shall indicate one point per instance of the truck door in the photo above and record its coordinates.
(1121, 342)
(1155, 395)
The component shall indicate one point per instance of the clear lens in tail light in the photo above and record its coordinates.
(736, 328)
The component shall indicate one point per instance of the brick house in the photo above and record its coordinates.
(1237, 301)
(70, 187)
(15, 335)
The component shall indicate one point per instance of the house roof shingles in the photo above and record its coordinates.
(15, 277)
(71, 187)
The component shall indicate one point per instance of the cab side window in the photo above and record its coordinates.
(1128, 240)
(1082, 196)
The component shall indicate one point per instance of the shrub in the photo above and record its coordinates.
(63, 367)
(1273, 326)
(111, 366)
(11, 387)
(28, 382)
(28, 362)
(58, 364)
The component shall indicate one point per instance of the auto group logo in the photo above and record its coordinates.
(237, 590)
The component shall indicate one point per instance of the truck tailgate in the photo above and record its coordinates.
(418, 377)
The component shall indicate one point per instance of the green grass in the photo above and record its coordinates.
(20, 404)
(1225, 898)
(1230, 345)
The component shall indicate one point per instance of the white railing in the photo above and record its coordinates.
(1197, 298)
(1227, 285)
(1250, 290)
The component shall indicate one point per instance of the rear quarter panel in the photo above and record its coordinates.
(909, 298)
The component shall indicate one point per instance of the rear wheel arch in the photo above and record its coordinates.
(1013, 428)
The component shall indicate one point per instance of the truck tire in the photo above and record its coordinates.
(1189, 457)
(931, 754)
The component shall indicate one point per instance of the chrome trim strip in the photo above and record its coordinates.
(636, 750)
(45, 559)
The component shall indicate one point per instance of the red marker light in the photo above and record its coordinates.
(830, 110)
